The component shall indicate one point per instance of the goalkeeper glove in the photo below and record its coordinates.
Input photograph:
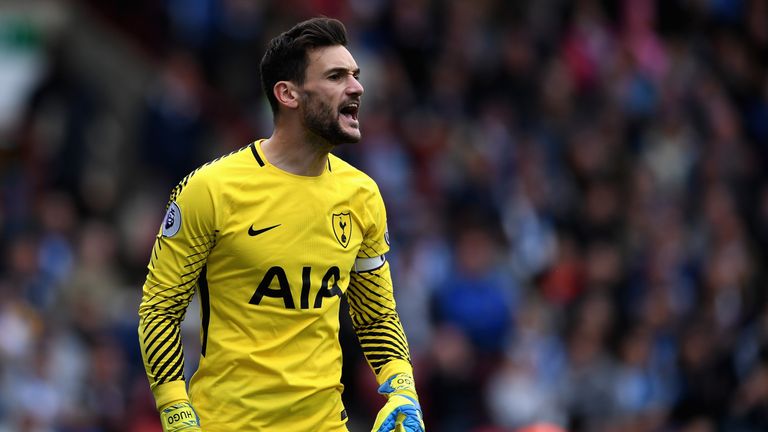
(402, 411)
(179, 416)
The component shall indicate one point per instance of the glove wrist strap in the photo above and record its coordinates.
(179, 416)
(401, 384)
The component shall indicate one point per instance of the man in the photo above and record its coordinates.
(272, 236)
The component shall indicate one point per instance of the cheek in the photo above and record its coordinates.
(327, 108)
(318, 109)
(330, 96)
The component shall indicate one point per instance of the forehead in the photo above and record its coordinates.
(327, 58)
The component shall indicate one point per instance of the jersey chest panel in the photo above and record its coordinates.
(289, 247)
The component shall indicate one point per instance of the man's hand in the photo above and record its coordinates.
(402, 411)
(179, 416)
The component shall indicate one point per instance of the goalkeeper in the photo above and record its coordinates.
(271, 237)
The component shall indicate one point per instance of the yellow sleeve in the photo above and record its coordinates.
(377, 324)
(178, 258)
(372, 301)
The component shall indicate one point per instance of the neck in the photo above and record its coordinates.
(296, 153)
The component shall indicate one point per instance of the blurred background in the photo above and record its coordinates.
(577, 195)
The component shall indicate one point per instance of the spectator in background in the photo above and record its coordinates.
(476, 296)
(173, 122)
(455, 402)
(590, 371)
(525, 389)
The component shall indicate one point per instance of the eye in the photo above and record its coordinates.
(334, 76)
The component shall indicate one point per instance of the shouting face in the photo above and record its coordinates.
(330, 95)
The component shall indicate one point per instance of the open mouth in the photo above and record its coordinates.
(350, 110)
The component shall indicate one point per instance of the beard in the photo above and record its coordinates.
(323, 120)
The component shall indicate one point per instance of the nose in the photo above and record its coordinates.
(354, 88)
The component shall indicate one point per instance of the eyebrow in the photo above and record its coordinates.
(342, 70)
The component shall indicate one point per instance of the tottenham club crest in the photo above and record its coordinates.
(342, 227)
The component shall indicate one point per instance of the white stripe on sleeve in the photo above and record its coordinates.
(368, 264)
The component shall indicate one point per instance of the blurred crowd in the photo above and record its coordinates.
(577, 195)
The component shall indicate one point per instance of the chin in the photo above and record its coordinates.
(351, 135)
(353, 138)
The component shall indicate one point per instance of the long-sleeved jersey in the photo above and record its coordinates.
(270, 255)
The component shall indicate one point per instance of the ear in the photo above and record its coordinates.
(286, 94)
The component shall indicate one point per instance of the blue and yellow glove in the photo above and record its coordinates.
(179, 416)
(402, 412)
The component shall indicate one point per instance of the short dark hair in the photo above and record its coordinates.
(286, 56)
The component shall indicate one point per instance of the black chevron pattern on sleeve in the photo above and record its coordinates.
(374, 318)
(162, 311)
(368, 250)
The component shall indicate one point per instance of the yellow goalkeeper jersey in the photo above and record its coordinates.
(270, 255)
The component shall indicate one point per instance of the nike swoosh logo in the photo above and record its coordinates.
(253, 232)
